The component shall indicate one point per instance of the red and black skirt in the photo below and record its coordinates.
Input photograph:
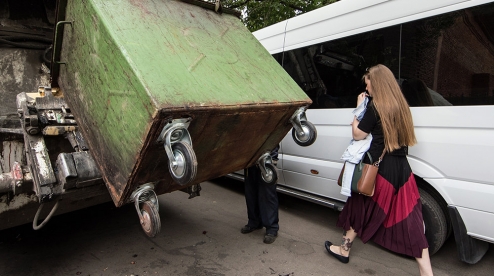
(392, 217)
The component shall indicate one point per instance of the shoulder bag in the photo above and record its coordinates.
(364, 176)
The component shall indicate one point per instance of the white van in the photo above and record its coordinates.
(446, 45)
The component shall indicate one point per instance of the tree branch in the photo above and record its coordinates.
(292, 6)
(238, 4)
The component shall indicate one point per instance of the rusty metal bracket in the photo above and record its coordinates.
(54, 67)
(11, 130)
(38, 158)
(193, 191)
(143, 193)
(174, 131)
(57, 43)
(297, 118)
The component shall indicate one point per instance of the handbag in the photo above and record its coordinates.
(364, 176)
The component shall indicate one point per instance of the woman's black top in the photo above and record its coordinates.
(371, 123)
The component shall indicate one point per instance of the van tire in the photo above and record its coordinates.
(436, 226)
(309, 138)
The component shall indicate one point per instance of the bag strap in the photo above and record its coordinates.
(380, 158)
(370, 157)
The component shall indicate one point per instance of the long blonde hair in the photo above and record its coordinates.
(392, 107)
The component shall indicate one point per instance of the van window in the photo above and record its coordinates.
(451, 56)
(444, 60)
(331, 73)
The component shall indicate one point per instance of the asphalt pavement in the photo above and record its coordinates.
(201, 236)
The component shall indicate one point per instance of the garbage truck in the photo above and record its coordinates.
(137, 99)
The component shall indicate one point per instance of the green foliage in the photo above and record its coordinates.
(257, 14)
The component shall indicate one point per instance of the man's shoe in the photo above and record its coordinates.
(340, 258)
(247, 229)
(269, 238)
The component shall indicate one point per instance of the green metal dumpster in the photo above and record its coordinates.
(131, 69)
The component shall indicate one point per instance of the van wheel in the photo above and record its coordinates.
(436, 226)
(309, 136)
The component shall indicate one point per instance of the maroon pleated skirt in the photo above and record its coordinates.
(392, 217)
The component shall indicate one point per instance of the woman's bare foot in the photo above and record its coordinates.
(337, 250)
(333, 252)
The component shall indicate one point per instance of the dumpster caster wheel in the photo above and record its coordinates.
(271, 176)
(184, 169)
(150, 219)
(308, 137)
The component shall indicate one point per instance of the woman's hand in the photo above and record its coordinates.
(361, 97)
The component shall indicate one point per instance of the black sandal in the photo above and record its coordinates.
(339, 257)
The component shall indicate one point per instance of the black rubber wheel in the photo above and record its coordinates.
(186, 168)
(436, 226)
(271, 177)
(151, 223)
(308, 138)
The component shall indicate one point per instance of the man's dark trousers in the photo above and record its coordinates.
(262, 202)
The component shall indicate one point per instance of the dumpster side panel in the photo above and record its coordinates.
(134, 65)
(111, 105)
(190, 56)
(223, 140)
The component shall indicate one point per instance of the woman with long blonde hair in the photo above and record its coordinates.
(392, 217)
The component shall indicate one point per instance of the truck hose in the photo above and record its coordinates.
(37, 226)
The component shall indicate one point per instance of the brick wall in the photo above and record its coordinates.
(465, 65)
